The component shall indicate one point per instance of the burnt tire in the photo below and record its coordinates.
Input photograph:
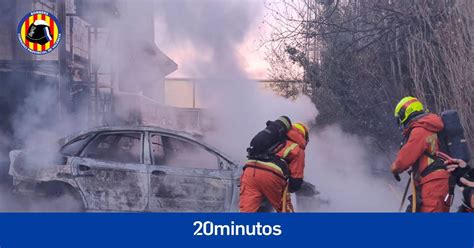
(59, 197)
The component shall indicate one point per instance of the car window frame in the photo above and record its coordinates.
(219, 158)
(97, 135)
(76, 139)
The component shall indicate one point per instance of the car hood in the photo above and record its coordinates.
(36, 164)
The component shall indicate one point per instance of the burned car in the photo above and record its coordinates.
(133, 169)
(129, 169)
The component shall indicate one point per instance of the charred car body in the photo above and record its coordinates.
(134, 169)
(130, 169)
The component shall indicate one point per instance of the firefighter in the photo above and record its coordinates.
(466, 181)
(468, 193)
(275, 179)
(420, 128)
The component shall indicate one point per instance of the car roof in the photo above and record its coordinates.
(139, 128)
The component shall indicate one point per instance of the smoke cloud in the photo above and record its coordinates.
(238, 106)
(341, 167)
(337, 163)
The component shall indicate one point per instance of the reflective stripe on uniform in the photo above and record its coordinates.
(285, 121)
(289, 149)
(269, 164)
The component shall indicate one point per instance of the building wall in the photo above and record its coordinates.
(6, 30)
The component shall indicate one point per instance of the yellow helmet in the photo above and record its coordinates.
(302, 129)
(408, 106)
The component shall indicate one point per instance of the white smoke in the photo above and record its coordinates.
(37, 128)
(337, 163)
(214, 31)
(29, 121)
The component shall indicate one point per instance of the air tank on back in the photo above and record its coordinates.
(453, 135)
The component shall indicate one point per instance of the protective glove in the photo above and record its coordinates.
(397, 177)
(307, 189)
(295, 184)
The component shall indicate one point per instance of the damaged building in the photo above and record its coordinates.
(105, 71)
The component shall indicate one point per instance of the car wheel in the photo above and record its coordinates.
(59, 197)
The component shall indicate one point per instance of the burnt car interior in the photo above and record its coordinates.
(115, 147)
(126, 147)
(172, 151)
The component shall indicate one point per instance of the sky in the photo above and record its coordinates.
(250, 52)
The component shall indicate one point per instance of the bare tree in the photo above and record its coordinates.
(361, 56)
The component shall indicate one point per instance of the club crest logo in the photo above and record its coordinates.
(39, 32)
